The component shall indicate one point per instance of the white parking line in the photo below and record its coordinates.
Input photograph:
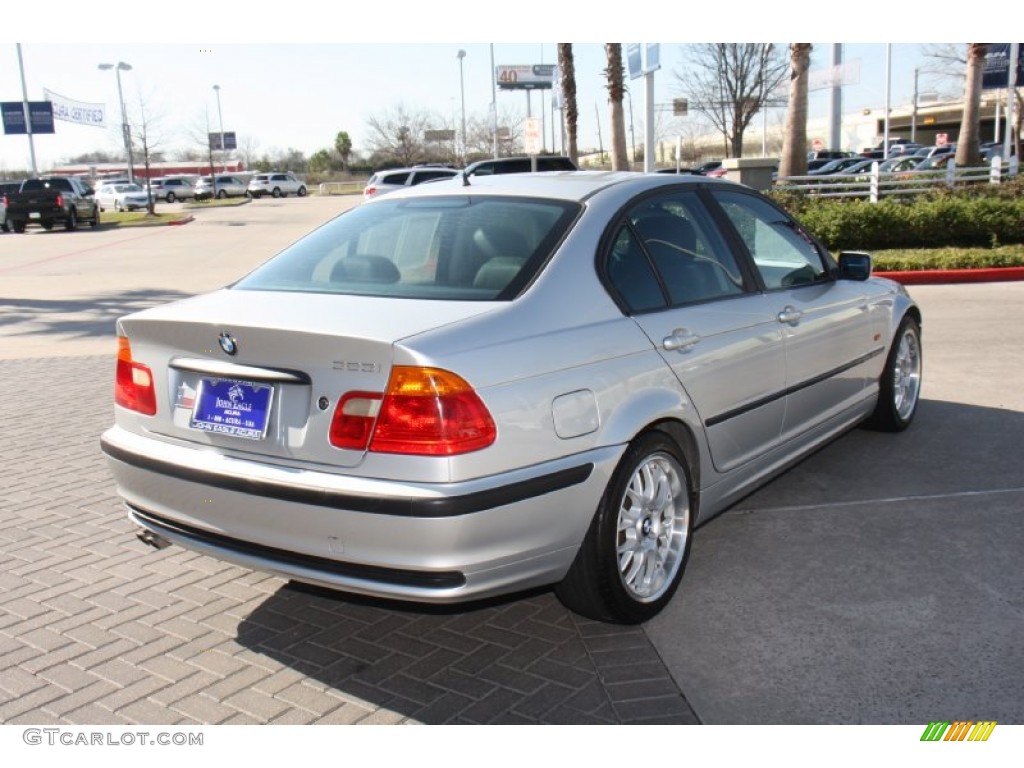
(887, 500)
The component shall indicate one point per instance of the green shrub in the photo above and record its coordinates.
(968, 218)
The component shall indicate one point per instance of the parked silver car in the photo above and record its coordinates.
(453, 392)
(173, 189)
(220, 187)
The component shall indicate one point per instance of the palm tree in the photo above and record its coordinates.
(616, 90)
(343, 146)
(571, 113)
(968, 149)
(794, 144)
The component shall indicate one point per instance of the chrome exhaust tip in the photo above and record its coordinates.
(154, 540)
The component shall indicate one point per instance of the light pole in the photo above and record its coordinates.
(125, 129)
(462, 87)
(220, 120)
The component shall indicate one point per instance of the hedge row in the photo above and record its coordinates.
(934, 221)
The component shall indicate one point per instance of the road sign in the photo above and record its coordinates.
(532, 139)
(230, 142)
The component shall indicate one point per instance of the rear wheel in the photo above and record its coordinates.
(302, 191)
(18, 226)
(633, 556)
(276, 192)
(899, 389)
(95, 218)
(71, 222)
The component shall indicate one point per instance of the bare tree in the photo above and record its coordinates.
(968, 146)
(567, 67)
(480, 140)
(144, 122)
(794, 147)
(397, 135)
(616, 90)
(730, 83)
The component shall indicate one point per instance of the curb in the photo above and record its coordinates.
(943, 276)
(179, 222)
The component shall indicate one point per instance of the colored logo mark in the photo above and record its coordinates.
(959, 730)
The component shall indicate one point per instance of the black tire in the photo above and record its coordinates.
(899, 388)
(71, 222)
(302, 191)
(170, 197)
(95, 218)
(221, 194)
(18, 226)
(625, 539)
(276, 192)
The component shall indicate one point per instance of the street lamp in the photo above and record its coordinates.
(462, 87)
(125, 129)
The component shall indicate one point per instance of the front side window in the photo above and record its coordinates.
(784, 255)
(468, 248)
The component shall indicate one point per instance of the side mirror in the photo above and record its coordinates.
(854, 265)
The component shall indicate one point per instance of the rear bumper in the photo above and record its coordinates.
(425, 542)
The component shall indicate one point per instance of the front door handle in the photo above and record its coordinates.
(681, 339)
(790, 315)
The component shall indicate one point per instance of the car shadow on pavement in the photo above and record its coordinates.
(522, 659)
(86, 317)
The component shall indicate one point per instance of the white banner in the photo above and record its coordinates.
(79, 112)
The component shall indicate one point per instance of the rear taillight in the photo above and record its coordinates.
(133, 388)
(370, 191)
(60, 200)
(424, 412)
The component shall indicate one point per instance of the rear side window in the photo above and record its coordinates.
(460, 248)
(395, 178)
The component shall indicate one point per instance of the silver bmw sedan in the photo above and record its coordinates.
(481, 385)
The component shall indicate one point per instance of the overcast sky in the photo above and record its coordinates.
(281, 85)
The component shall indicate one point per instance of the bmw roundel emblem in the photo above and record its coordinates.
(228, 344)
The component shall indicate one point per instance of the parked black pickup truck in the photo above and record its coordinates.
(52, 201)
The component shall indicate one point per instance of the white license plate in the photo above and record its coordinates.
(33, 214)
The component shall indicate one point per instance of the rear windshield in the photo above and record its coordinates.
(450, 248)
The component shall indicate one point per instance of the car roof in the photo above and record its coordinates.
(561, 185)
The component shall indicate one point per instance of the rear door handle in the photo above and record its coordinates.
(681, 339)
(790, 315)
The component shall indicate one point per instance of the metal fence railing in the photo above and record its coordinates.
(875, 184)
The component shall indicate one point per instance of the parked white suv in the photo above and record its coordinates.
(276, 184)
(383, 182)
